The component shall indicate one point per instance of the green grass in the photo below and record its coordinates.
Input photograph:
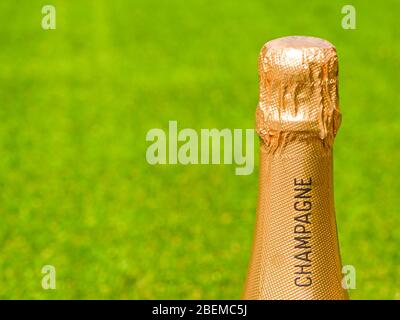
(76, 104)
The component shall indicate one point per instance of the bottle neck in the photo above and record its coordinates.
(295, 252)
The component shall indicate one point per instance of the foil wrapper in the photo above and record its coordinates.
(298, 90)
(295, 252)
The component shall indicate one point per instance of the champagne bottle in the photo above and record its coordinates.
(295, 252)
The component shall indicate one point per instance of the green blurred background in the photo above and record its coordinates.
(76, 103)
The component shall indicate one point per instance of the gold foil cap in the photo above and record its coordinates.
(298, 90)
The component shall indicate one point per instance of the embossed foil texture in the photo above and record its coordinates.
(295, 252)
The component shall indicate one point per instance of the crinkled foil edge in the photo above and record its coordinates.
(329, 115)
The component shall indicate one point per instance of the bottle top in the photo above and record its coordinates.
(298, 89)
